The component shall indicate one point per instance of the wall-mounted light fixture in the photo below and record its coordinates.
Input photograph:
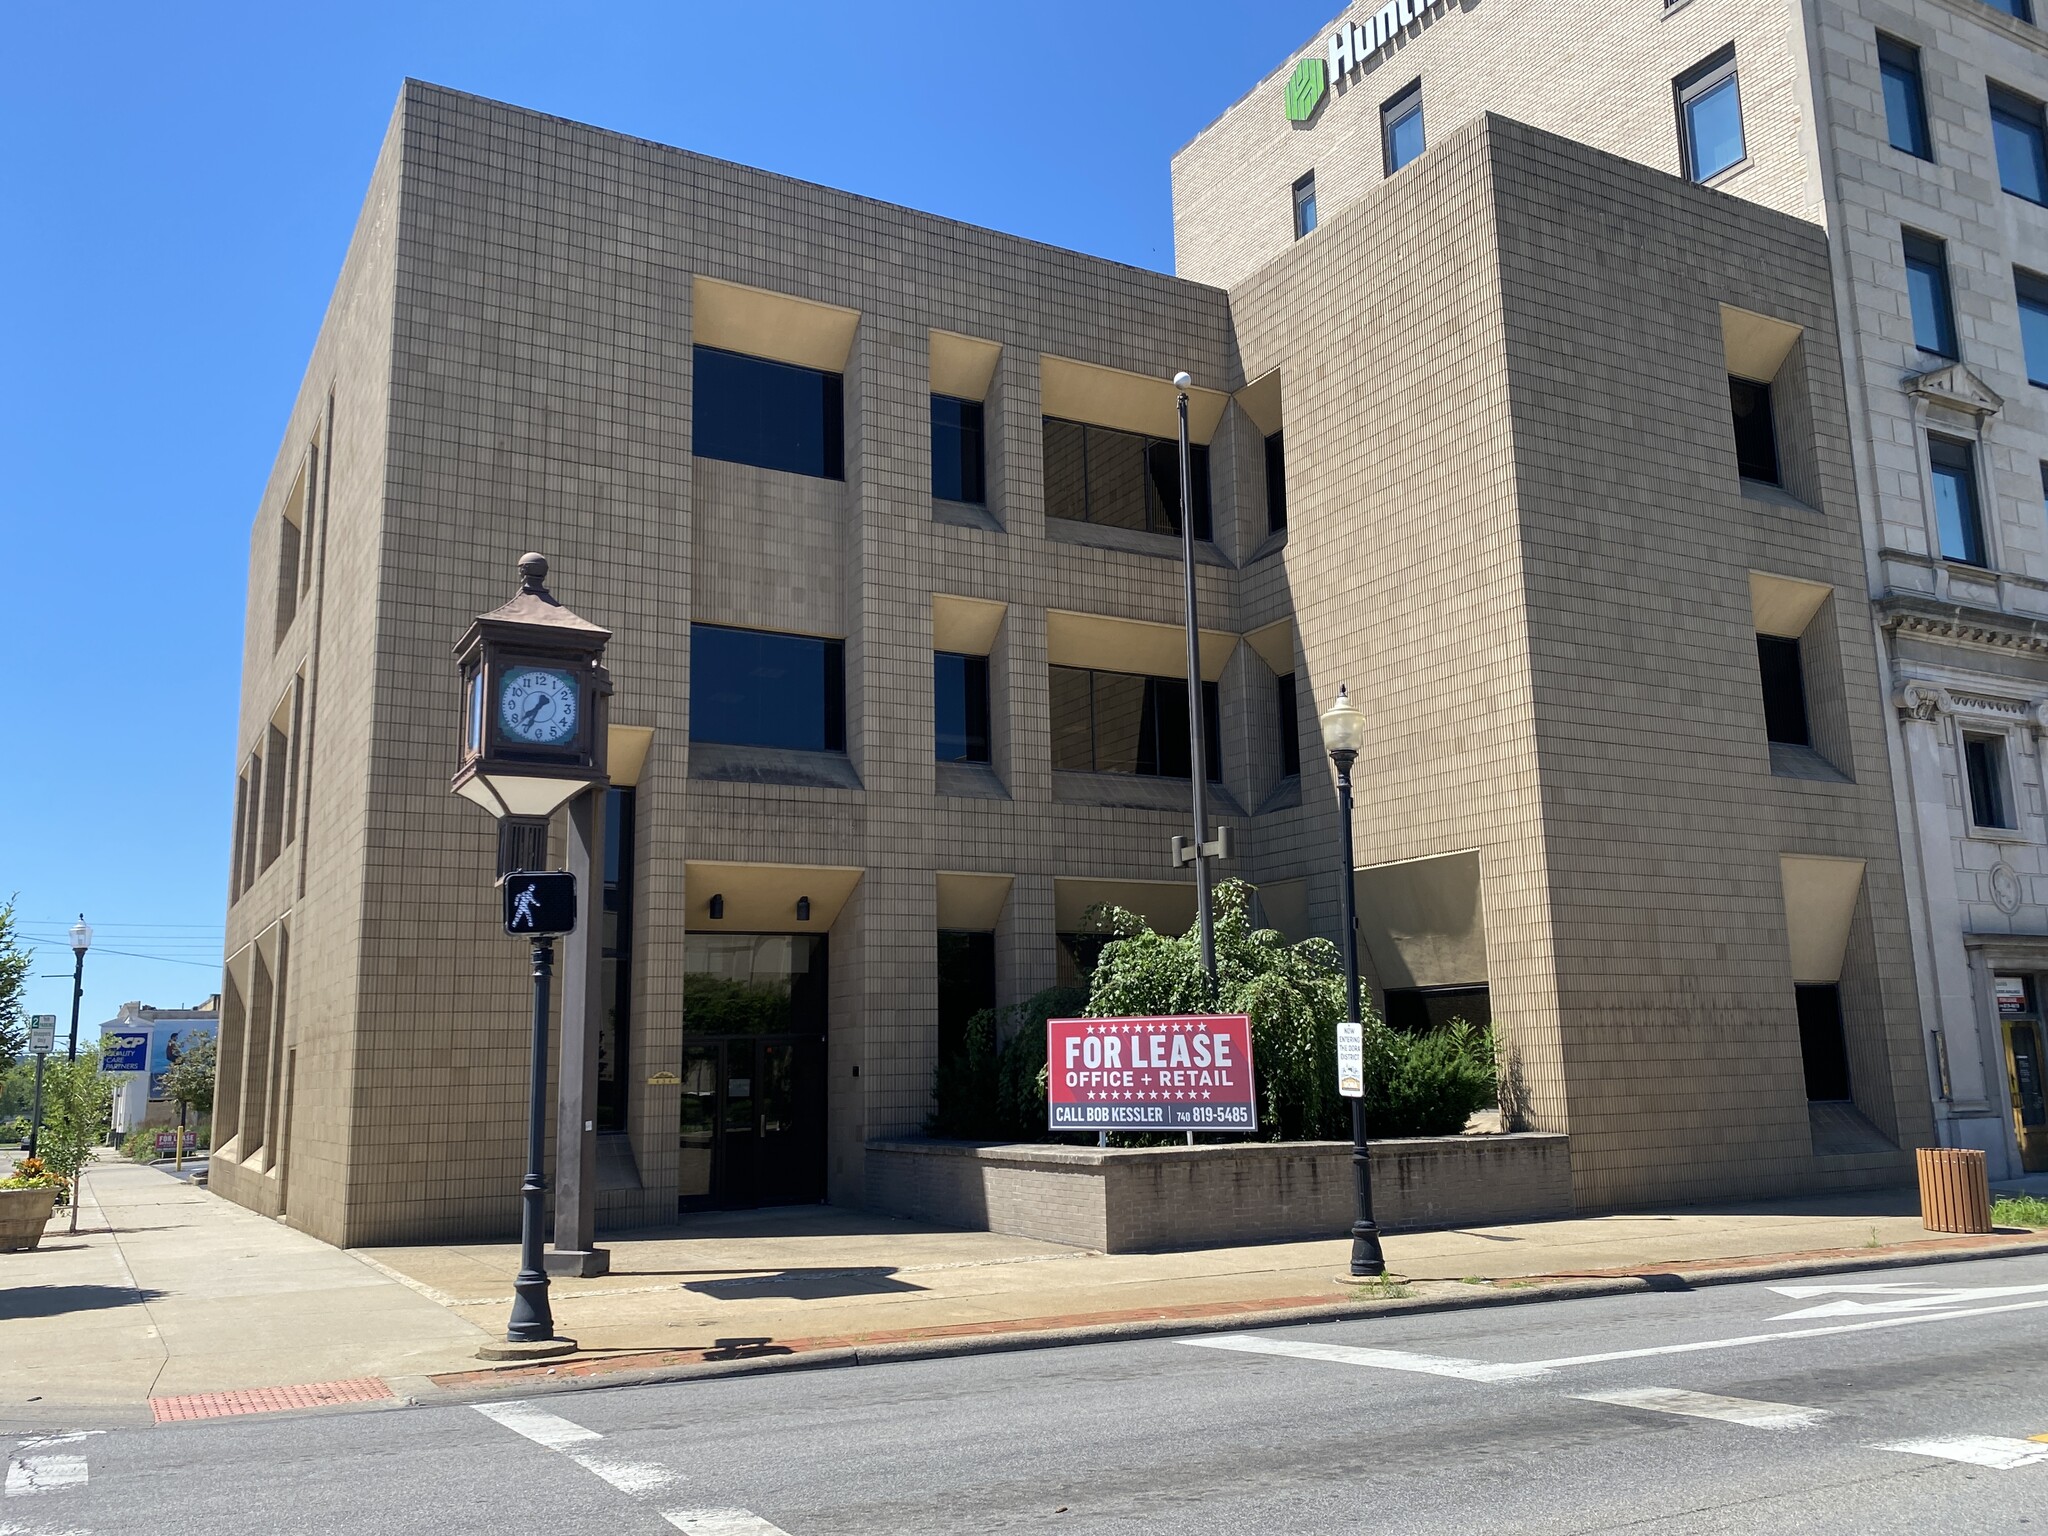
(717, 908)
(803, 909)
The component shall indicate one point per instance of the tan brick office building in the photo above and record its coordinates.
(1912, 131)
(871, 503)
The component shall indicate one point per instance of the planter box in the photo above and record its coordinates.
(23, 1214)
(1144, 1199)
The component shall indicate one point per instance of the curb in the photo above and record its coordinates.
(530, 1381)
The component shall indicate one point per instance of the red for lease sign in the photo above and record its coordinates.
(1176, 1074)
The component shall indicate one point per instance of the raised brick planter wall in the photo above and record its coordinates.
(1131, 1201)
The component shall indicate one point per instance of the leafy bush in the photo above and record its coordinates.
(2020, 1211)
(1433, 1082)
(140, 1147)
(992, 1088)
(13, 1132)
(32, 1173)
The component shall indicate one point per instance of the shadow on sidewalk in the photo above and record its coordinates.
(56, 1300)
(805, 1284)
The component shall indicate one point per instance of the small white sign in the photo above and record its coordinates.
(42, 1034)
(1351, 1059)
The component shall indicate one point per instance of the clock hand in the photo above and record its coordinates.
(534, 710)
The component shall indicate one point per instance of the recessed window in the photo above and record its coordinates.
(1276, 484)
(1401, 128)
(1784, 681)
(748, 410)
(1957, 513)
(2033, 295)
(1120, 479)
(957, 473)
(2018, 135)
(1305, 206)
(961, 707)
(1756, 430)
(1290, 726)
(1905, 103)
(1823, 1048)
(1934, 318)
(752, 688)
(1710, 117)
(615, 1018)
(1114, 722)
(967, 984)
(2019, 10)
(1990, 790)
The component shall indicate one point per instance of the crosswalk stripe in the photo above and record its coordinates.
(721, 1522)
(1382, 1359)
(1975, 1450)
(44, 1474)
(1706, 1405)
(537, 1424)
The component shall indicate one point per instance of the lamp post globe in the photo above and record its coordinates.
(81, 935)
(1343, 738)
(81, 941)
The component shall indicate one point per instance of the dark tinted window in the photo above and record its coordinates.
(1821, 1045)
(961, 707)
(1276, 484)
(1290, 726)
(1984, 757)
(1120, 479)
(967, 984)
(614, 1028)
(1934, 320)
(1784, 690)
(1115, 722)
(751, 688)
(957, 473)
(2017, 134)
(1955, 500)
(1905, 106)
(748, 410)
(2033, 294)
(1756, 431)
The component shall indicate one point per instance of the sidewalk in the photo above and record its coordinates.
(188, 1296)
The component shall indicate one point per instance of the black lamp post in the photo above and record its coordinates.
(1343, 735)
(534, 692)
(81, 941)
(1198, 731)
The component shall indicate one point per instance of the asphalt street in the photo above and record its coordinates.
(1894, 1400)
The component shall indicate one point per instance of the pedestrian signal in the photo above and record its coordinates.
(539, 904)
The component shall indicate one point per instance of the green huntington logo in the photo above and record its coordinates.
(1305, 89)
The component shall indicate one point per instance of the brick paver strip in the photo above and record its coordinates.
(224, 1405)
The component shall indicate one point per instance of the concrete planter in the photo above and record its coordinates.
(1153, 1198)
(23, 1214)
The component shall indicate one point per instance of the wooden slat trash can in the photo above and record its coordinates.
(1955, 1190)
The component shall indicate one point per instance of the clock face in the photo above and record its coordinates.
(537, 705)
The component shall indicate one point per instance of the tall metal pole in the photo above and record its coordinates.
(77, 992)
(35, 1123)
(1366, 1258)
(1198, 735)
(532, 1319)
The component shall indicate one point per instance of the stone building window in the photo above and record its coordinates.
(2018, 135)
(1710, 117)
(2033, 295)
(748, 410)
(1784, 682)
(1276, 484)
(1905, 102)
(1289, 720)
(1823, 1045)
(615, 1027)
(957, 451)
(1305, 206)
(1991, 806)
(1114, 722)
(1401, 139)
(1934, 317)
(2019, 10)
(1121, 479)
(960, 707)
(1957, 514)
(1756, 430)
(751, 688)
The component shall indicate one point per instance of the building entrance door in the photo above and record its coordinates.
(2019, 1015)
(753, 1122)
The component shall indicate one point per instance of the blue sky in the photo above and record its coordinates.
(179, 185)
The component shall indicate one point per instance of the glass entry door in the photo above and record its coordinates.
(2020, 1017)
(753, 1122)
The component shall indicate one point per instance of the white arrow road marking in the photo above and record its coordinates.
(29, 1530)
(44, 1474)
(558, 1434)
(568, 1439)
(1384, 1359)
(1705, 1405)
(1896, 1296)
(722, 1522)
(1975, 1450)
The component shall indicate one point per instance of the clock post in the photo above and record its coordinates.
(534, 722)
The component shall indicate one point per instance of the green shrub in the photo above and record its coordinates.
(2020, 1211)
(14, 1132)
(992, 1086)
(140, 1146)
(1433, 1082)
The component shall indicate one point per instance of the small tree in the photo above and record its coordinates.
(78, 1106)
(189, 1082)
(13, 982)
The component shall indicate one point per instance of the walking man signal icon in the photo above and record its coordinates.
(540, 904)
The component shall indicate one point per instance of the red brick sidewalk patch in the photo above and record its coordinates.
(224, 1405)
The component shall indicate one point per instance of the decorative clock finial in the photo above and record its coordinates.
(533, 574)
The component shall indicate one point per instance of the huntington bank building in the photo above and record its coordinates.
(1538, 360)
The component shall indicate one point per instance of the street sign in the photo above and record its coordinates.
(123, 1051)
(42, 1033)
(540, 904)
(1351, 1059)
(1189, 1073)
